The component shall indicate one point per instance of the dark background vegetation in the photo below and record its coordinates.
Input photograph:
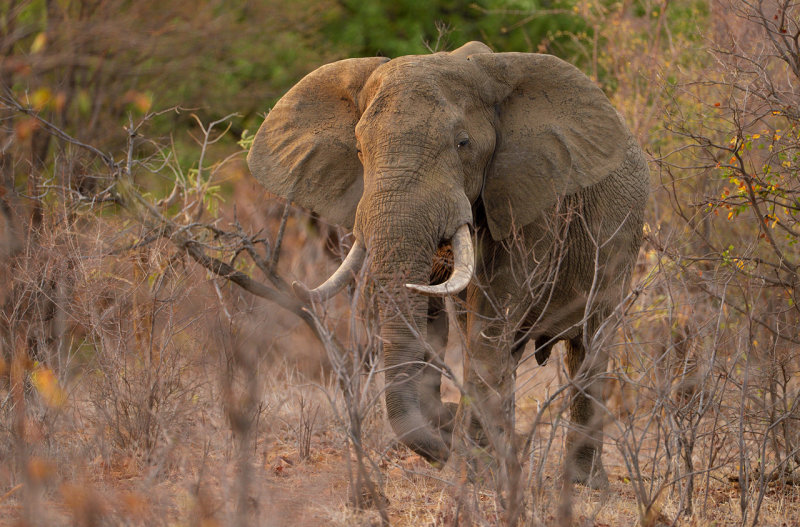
(98, 61)
(139, 387)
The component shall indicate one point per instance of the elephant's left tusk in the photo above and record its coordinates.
(343, 276)
(463, 267)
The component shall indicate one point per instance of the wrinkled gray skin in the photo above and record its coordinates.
(521, 147)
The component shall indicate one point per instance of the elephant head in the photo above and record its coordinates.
(403, 151)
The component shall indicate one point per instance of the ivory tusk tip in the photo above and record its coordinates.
(301, 291)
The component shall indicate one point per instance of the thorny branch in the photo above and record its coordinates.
(191, 237)
(123, 192)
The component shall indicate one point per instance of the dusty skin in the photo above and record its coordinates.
(520, 151)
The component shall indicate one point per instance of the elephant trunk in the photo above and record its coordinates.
(403, 319)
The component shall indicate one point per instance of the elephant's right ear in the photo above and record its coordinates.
(305, 150)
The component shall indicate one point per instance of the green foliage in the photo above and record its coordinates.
(684, 18)
(240, 56)
(402, 27)
(32, 13)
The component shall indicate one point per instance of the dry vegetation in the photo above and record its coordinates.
(155, 368)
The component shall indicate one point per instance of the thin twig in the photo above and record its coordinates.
(276, 248)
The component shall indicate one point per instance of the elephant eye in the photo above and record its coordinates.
(462, 142)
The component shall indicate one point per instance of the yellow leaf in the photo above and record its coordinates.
(40, 470)
(46, 383)
(40, 98)
(756, 136)
(141, 101)
(39, 42)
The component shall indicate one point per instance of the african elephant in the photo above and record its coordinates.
(522, 152)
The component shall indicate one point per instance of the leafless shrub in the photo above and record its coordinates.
(735, 332)
(355, 369)
(141, 393)
(703, 364)
(304, 431)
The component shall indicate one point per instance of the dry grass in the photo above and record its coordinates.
(137, 387)
(140, 389)
(144, 432)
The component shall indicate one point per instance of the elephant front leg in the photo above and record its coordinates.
(583, 463)
(489, 381)
(485, 437)
(440, 415)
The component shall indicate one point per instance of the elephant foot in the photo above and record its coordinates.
(447, 420)
(442, 417)
(483, 466)
(595, 479)
(586, 468)
(483, 452)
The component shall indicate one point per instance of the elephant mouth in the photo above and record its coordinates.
(463, 269)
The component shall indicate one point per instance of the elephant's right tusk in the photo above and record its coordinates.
(339, 279)
(463, 267)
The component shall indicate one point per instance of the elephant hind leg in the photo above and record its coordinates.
(583, 463)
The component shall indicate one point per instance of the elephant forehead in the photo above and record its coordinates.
(414, 117)
(422, 80)
(389, 118)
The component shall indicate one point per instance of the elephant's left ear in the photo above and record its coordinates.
(557, 133)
